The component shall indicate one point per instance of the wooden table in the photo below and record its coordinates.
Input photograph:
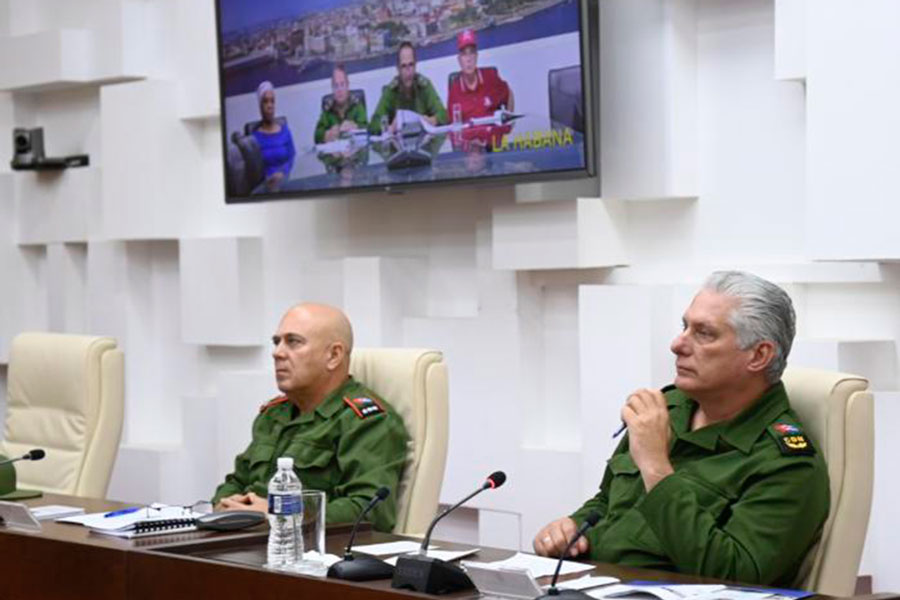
(70, 562)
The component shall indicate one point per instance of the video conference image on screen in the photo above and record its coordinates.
(334, 95)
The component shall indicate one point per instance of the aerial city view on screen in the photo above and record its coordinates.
(323, 95)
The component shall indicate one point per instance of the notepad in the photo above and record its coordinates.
(149, 527)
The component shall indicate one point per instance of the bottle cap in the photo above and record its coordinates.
(285, 463)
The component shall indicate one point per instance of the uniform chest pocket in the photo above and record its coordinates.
(260, 454)
(626, 485)
(309, 456)
(713, 499)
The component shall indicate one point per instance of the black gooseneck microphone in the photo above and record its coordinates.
(36, 454)
(362, 568)
(554, 592)
(431, 575)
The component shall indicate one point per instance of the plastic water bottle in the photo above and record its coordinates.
(285, 517)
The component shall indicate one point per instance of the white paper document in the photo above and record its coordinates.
(388, 548)
(584, 583)
(539, 566)
(663, 592)
(55, 511)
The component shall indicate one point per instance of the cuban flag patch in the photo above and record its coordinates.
(364, 407)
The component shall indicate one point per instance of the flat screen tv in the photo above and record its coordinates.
(336, 96)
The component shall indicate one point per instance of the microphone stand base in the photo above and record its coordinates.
(564, 595)
(429, 575)
(360, 568)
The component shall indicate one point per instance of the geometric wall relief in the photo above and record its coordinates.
(876, 360)
(569, 234)
(852, 94)
(790, 40)
(56, 206)
(379, 292)
(221, 291)
(46, 60)
(67, 287)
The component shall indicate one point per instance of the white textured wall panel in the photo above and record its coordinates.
(221, 291)
(56, 206)
(580, 233)
(853, 89)
(790, 39)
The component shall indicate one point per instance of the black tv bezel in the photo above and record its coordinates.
(589, 31)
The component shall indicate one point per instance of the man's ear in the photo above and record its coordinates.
(762, 357)
(336, 354)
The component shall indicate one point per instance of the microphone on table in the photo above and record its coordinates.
(431, 575)
(362, 568)
(36, 454)
(555, 593)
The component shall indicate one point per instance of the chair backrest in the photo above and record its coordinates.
(66, 395)
(252, 164)
(566, 99)
(414, 382)
(358, 95)
(837, 411)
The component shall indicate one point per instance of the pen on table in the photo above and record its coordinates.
(124, 511)
(619, 431)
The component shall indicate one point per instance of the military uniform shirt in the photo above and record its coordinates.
(424, 100)
(746, 502)
(346, 451)
(330, 117)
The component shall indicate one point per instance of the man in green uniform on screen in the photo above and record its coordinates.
(715, 476)
(343, 112)
(408, 90)
(344, 438)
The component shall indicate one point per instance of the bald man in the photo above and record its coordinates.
(344, 438)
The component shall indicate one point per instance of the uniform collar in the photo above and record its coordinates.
(331, 404)
(740, 432)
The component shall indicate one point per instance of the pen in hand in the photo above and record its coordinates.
(619, 431)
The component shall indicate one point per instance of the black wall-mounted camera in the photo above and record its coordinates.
(28, 153)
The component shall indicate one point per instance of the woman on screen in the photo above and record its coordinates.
(274, 138)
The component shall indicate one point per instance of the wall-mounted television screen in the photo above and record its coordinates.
(332, 96)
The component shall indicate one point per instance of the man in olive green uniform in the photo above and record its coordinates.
(344, 439)
(408, 90)
(715, 476)
(343, 112)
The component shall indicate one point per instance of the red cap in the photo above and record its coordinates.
(465, 38)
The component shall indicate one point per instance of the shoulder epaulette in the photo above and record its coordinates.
(791, 440)
(364, 406)
(273, 402)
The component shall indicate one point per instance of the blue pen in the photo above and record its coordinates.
(124, 511)
(619, 431)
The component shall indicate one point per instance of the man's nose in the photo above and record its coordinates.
(679, 344)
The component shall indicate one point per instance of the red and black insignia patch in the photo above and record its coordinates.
(791, 440)
(273, 402)
(364, 407)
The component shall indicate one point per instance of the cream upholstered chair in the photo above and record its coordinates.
(414, 381)
(65, 395)
(836, 410)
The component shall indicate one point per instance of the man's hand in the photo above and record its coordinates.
(332, 133)
(244, 502)
(647, 417)
(555, 536)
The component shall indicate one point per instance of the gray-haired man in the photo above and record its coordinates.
(715, 476)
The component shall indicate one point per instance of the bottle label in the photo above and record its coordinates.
(285, 504)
